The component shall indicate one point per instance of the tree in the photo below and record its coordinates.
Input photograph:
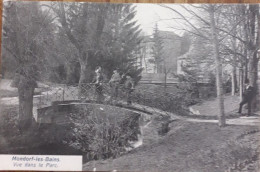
(83, 25)
(157, 50)
(207, 29)
(165, 50)
(253, 47)
(244, 34)
(231, 48)
(109, 41)
(215, 40)
(122, 41)
(26, 33)
(195, 65)
(234, 37)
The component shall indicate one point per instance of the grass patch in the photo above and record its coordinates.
(8, 93)
(188, 147)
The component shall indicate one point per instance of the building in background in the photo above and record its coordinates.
(172, 47)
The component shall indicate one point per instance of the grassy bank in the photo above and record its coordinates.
(190, 147)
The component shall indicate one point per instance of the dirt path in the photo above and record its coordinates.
(210, 107)
(243, 120)
(43, 90)
(249, 121)
(5, 84)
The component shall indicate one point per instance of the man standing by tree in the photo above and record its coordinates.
(248, 96)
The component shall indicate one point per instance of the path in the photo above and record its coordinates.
(5, 85)
(249, 121)
(243, 120)
(210, 107)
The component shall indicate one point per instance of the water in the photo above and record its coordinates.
(144, 122)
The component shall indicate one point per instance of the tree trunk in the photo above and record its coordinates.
(165, 77)
(165, 82)
(241, 82)
(253, 68)
(144, 58)
(253, 46)
(25, 91)
(234, 62)
(84, 78)
(234, 80)
(72, 75)
(246, 67)
(145, 65)
(245, 31)
(218, 64)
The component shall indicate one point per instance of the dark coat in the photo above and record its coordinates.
(249, 93)
(129, 83)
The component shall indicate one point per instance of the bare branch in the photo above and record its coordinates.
(196, 15)
(184, 18)
(12, 53)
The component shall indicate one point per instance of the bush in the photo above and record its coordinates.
(8, 120)
(102, 136)
(176, 103)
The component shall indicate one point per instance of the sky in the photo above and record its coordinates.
(149, 14)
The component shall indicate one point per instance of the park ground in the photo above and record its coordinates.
(191, 144)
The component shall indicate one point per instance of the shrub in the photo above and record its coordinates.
(176, 103)
(8, 120)
(102, 135)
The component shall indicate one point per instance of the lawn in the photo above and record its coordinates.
(190, 147)
(8, 93)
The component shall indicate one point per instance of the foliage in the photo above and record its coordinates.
(97, 39)
(196, 67)
(27, 31)
(89, 38)
(175, 103)
(8, 121)
(122, 41)
(27, 34)
(157, 49)
(100, 135)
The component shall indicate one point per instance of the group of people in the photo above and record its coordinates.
(117, 80)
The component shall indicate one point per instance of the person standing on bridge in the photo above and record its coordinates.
(114, 83)
(129, 86)
(247, 97)
(98, 81)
